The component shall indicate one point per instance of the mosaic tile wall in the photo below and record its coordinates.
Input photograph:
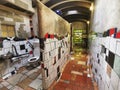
(105, 60)
(54, 58)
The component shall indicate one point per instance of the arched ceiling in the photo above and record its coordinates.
(71, 10)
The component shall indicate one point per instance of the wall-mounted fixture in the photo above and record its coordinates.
(32, 47)
(14, 50)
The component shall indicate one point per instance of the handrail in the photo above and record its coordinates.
(13, 46)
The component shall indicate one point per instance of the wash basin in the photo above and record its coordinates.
(14, 58)
(33, 59)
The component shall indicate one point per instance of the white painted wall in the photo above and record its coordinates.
(106, 15)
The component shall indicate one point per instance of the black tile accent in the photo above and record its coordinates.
(63, 51)
(22, 47)
(49, 53)
(58, 72)
(95, 70)
(41, 56)
(98, 61)
(13, 72)
(103, 50)
(66, 44)
(26, 50)
(59, 53)
(42, 43)
(97, 55)
(1, 43)
(111, 58)
(54, 60)
(46, 72)
(106, 58)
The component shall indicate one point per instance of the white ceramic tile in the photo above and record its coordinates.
(17, 43)
(1, 85)
(59, 43)
(18, 65)
(46, 55)
(56, 51)
(106, 87)
(47, 47)
(11, 69)
(111, 88)
(119, 85)
(103, 41)
(56, 43)
(107, 80)
(6, 50)
(117, 65)
(51, 68)
(5, 83)
(52, 45)
(6, 75)
(6, 44)
(107, 42)
(23, 51)
(118, 47)
(51, 62)
(40, 77)
(2, 51)
(114, 80)
(17, 47)
(36, 84)
(21, 42)
(53, 53)
(107, 52)
(12, 42)
(112, 45)
(25, 42)
(47, 40)
(9, 87)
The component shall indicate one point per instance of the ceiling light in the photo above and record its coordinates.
(88, 22)
(72, 12)
(91, 7)
(58, 12)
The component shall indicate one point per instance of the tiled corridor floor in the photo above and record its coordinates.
(75, 75)
(23, 80)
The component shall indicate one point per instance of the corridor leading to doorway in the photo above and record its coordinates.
(76, 75)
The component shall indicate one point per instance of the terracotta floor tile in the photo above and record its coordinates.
(73, 81)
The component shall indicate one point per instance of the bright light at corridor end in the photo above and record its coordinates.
(88, 22)
(91, 7)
